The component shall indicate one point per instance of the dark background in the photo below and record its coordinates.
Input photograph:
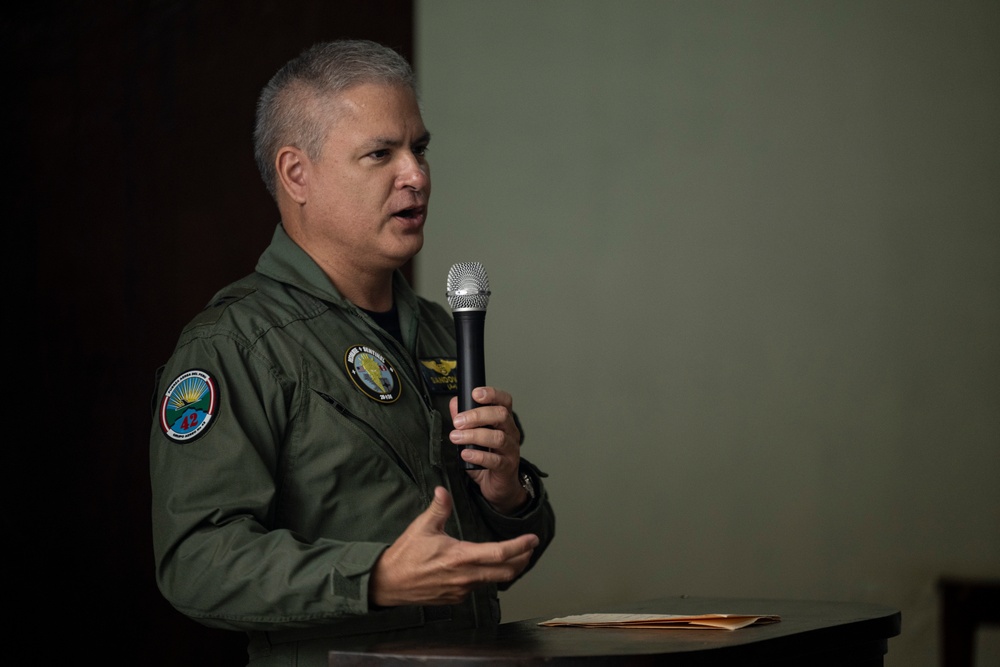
(133, 197)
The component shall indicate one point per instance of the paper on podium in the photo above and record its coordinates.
(662, 621)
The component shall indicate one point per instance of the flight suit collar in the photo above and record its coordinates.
(285, 261)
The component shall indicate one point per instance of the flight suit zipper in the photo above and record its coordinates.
(370, 431)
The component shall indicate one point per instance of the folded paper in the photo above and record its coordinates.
(662, 621)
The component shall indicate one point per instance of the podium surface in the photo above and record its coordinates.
(814, 633)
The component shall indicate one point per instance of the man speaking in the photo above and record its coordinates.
(308, 464)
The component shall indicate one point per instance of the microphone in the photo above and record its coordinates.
(468, 292)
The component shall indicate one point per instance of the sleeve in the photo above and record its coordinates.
(538, 518)
(220, 421)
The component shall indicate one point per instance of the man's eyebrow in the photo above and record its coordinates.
(393, 142)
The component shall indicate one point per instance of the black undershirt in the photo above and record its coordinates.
(389, 320)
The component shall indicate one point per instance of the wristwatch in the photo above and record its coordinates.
(528, 485)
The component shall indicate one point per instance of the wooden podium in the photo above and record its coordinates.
(810, 633)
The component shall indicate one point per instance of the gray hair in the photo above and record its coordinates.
(289, 105)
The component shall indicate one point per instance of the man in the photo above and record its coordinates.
(307, 470)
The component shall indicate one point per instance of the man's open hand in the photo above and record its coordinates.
(426, 566)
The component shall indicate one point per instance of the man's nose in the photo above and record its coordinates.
(413, 173)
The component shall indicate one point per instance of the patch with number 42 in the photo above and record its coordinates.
(189, 406)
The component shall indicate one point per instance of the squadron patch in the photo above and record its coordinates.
(439, 375)
(189, 406)
(372, 374)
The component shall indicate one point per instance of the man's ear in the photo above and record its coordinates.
(292, 166)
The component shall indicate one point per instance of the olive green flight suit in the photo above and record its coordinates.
(292, 441)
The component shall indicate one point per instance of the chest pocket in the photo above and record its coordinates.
(366, 427)
(370, 396)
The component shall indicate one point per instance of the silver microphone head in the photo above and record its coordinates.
(468, 287)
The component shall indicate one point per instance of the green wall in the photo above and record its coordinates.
(745, 261)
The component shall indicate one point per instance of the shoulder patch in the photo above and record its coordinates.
(439, 375)
(372, 374)
(189, 407)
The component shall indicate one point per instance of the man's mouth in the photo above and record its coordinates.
(410, 213)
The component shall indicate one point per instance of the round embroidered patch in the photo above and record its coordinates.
(189, 406)
(372, 374)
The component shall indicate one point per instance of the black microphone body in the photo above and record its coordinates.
(468, 292)
(470, 327)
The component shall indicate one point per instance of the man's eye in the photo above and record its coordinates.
(420, 150)
(379, 154)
